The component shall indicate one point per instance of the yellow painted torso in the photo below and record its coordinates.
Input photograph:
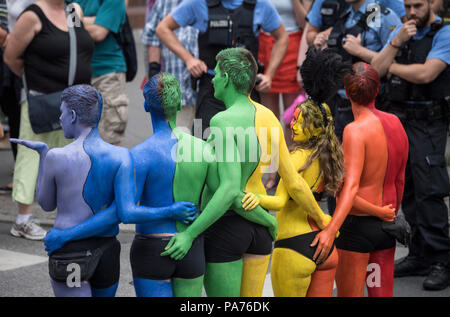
(292, 219)
(266, 125)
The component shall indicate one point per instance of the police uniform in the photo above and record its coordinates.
(344, 20)
(223, 24)
(423, 110)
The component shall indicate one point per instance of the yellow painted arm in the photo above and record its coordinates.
(296, 186)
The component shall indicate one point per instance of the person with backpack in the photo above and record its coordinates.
(104, 20)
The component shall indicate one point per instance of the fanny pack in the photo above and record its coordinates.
(44, 109)
(399, 229)
(60, 265)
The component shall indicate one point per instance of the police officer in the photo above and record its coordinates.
(417, 59)
(222, 24)
(357, 29)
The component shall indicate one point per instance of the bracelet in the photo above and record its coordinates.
(394, 46)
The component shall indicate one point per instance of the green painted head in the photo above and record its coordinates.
(170, 92)
(238, 66)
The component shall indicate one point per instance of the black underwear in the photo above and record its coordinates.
(232, 236)
(363, 234)
(147, 262)
(301, 244)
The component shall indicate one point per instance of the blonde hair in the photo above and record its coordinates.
(324, 145)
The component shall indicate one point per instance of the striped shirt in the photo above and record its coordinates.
(3, 15)
(170, 62)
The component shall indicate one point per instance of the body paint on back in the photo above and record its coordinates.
(96, 195)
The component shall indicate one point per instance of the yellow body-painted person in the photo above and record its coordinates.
(293, 271)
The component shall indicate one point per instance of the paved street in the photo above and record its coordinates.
(23, 263)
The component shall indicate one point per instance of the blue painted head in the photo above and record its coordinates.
(163, 96)
(152, 96)
(85, 101)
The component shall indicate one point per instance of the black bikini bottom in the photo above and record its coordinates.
(301, 244)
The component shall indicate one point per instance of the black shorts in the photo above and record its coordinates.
(147, 262)
(107, 272)
(232, 236)
(301, 244)
(363, 234)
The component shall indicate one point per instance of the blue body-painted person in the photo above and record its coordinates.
(82, 180)
(157, 175)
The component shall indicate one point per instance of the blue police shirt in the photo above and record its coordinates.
(379, 28)
(440, 46)
(195, 13)
(314, 17)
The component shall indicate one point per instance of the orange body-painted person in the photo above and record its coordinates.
(370, 160)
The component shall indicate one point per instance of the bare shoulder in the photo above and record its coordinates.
(352, 128)
(353, 132)
(222, 119)
(28, 21)
(56, 157)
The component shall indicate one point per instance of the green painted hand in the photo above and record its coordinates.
(179, 245)
(273, 229)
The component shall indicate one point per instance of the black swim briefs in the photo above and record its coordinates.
(232, 236)
(301, 244)
(107, 272)
(363, 234)
(147, 262)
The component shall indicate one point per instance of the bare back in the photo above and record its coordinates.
(71, 171)
(374, 156)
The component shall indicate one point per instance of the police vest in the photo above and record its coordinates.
(416, 52)
(330, 12)
(339, 31)
(227, 28)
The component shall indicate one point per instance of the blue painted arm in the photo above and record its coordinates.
(48, 161)
(103, 223)
(129, 212)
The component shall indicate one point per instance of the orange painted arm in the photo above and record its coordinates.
(354, 154)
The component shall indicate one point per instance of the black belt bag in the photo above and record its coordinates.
(44, 109)
(61, 265)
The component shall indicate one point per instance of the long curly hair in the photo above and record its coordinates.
(324, 145)
(323, 74)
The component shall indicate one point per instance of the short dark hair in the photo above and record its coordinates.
(241, 67)
(84, 100)
(362, 86)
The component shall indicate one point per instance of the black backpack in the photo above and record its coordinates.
(125, 39)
